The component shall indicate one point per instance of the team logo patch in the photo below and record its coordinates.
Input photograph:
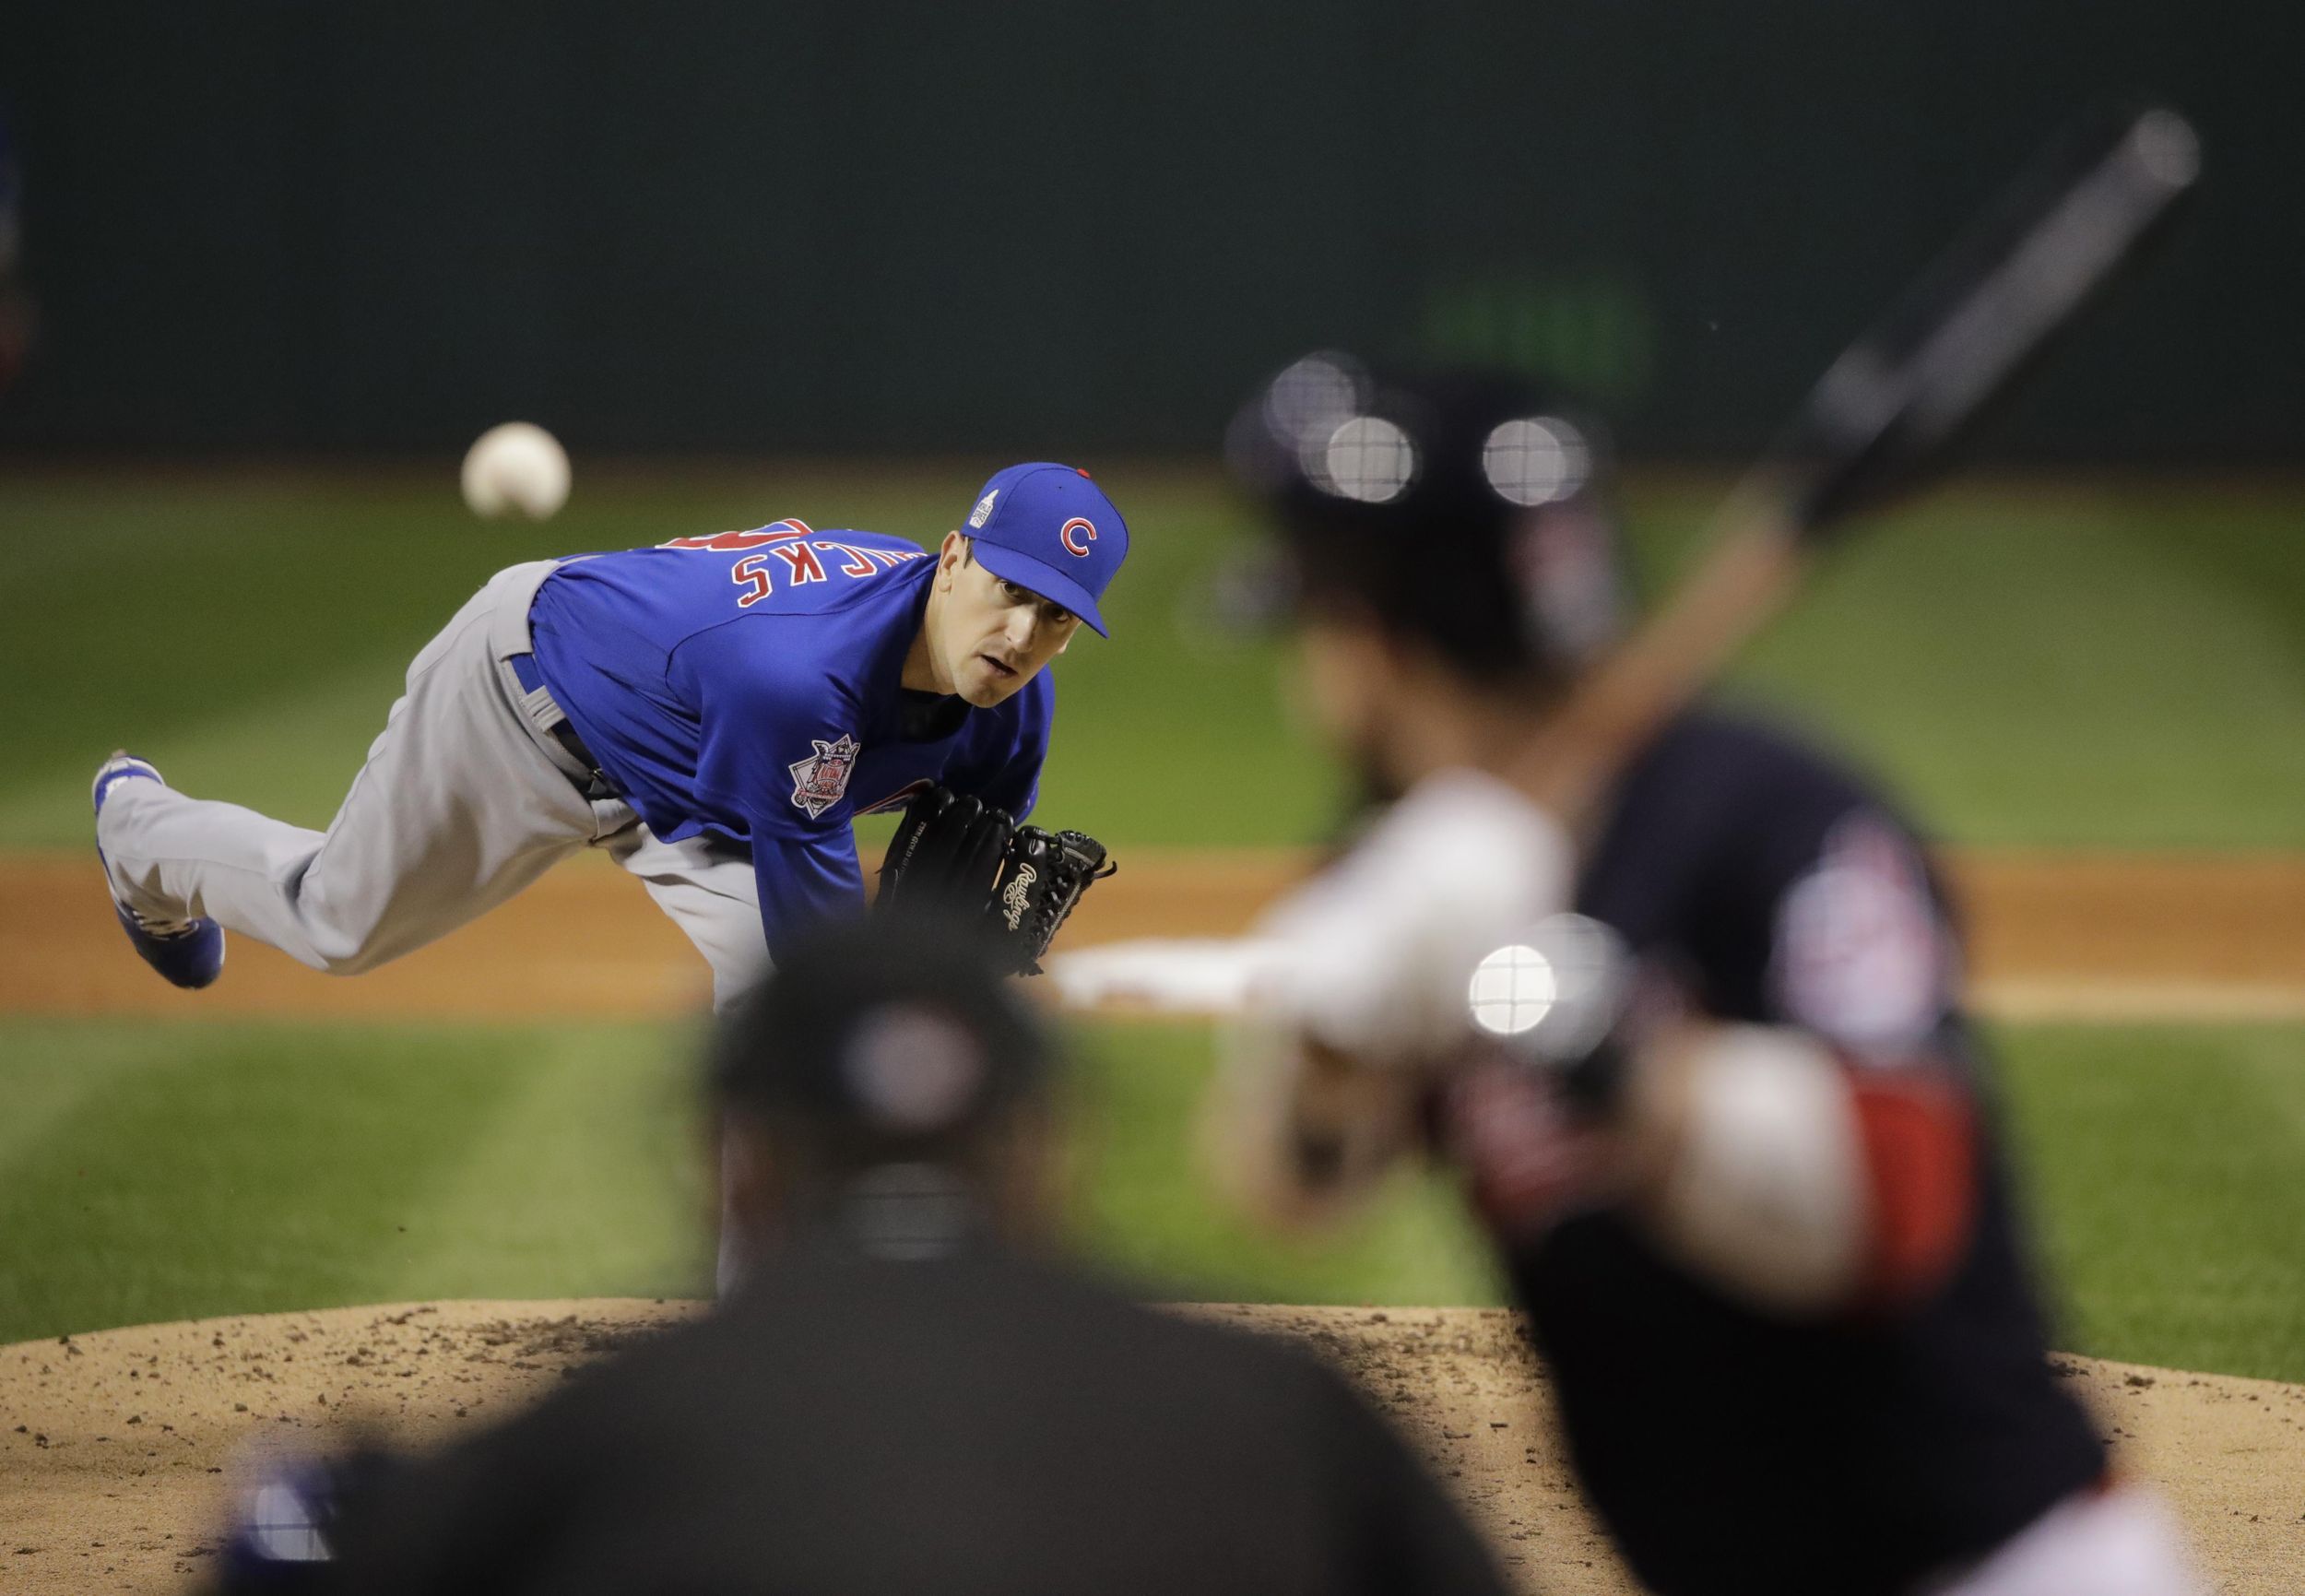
(913, 1070)
(819, 780)
(1861, 957)
(983, 513)
(1072, 531)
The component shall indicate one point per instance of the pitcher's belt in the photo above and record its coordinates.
(563, 731)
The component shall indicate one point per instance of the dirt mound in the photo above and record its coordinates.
(118, 1450)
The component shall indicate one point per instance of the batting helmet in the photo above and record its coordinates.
(1465, 509)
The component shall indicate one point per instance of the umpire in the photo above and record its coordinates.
(907, 1393)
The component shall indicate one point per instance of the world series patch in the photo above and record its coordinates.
(819, 780)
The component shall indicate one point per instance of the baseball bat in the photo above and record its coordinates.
(1885, 417)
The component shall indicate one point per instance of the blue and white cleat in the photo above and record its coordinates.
(186, 952)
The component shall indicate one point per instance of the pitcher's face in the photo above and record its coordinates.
(996, 635)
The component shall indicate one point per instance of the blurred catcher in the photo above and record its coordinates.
(910, 1393)
(710, 713)
(1698, 1053)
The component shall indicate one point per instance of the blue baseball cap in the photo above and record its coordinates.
(1049, 528)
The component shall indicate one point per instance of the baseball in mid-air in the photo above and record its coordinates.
(516, 469)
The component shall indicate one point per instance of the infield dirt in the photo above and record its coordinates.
(2051, 936)
(119, 1452)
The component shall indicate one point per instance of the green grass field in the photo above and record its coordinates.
(2086, 668)
(156, 1171)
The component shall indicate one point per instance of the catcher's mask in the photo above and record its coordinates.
(1464, 509)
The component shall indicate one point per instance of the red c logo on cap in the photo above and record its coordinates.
(1064, 535)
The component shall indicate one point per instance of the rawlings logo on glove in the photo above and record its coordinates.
(953, 855)
(1016, 897)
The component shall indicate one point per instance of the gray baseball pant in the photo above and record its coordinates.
(466, 798)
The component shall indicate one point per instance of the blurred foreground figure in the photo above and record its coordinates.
(906, 1395)
(1725, 1122)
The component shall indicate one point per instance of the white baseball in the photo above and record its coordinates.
(517, 469)
(1374, 958)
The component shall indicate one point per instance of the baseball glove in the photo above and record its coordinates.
(953, 855)
(944, 853)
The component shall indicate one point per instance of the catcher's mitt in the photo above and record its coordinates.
(954, 856)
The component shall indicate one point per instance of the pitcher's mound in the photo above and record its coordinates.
(117, 1449)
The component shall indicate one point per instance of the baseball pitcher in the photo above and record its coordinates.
(712, 712)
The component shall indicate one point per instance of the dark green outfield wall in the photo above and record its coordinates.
(347, 224)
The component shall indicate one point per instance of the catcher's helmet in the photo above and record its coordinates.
(888, 1037)
(1464, 508)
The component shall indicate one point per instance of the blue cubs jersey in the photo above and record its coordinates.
(750, 684)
